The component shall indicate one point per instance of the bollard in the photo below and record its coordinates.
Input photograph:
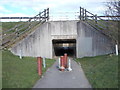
(62, 63)
(59, 63)
(39, 66)
(116, 49)
(44, 63)
(65, 60)
(69, 68)
(20, 54)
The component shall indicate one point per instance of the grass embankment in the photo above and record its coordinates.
(20, 73)
(12, 35)
(8, 25)
(0, 70)
(101, 71)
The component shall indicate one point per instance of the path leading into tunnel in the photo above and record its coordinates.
(54, 78)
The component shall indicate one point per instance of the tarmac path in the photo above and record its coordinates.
(54, 78)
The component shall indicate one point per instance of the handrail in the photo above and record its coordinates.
(23, 27)
(97, 22)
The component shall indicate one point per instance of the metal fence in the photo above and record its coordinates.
(104, 26)
(21, 30)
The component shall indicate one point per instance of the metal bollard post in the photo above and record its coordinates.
(116, 49)
(20, 54)
(62, 63)
(44, 64)
(69, 68)
(65, 60)
(59, 63)
(39, 66)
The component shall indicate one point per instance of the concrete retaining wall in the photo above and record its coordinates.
(91, 42)
(36, 44)
(39, 43)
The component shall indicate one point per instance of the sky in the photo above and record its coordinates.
(58, 8)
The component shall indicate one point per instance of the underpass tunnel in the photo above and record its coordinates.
(62, 46)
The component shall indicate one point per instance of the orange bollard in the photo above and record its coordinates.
(62, 63)
(39, 66)
(66, 60)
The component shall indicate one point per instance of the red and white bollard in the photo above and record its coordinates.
(62, 63)
(39, 60)
(66, 60)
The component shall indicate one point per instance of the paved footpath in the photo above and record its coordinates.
(54, 78)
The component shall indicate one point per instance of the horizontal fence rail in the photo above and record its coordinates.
(12, 35)
(105, 26)
(18, 17)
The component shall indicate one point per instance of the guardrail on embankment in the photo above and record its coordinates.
(21, 30)
(107, 27)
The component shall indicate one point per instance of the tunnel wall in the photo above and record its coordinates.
(39, 42)
(91, 42)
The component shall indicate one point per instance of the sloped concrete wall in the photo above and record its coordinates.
(91, 42)
(39, 42)
(36, 44)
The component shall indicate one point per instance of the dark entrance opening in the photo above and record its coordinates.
(61, 46)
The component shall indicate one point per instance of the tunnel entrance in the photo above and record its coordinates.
(61, 46)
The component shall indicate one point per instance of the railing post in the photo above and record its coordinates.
(29, 23)
(40, 17)
(96, 18)
(16, 29)
(47, 14)
(33, 18)
(85, 14)
(80, 14)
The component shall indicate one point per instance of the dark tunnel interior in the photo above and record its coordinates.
(62, 46)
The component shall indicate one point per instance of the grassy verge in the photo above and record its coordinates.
(8, 25)
(0, 70)
(20, 73)
(101, 71)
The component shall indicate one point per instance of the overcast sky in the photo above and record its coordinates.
(57, 7)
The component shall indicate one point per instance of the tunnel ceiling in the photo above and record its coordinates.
(64, 41)
(62, 46)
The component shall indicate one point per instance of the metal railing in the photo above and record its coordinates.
(104, 26)
(12, 35)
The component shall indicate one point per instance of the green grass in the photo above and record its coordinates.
(0, 70)
(13, 35)
(8, 25)
(20, 73)
(101, 71)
